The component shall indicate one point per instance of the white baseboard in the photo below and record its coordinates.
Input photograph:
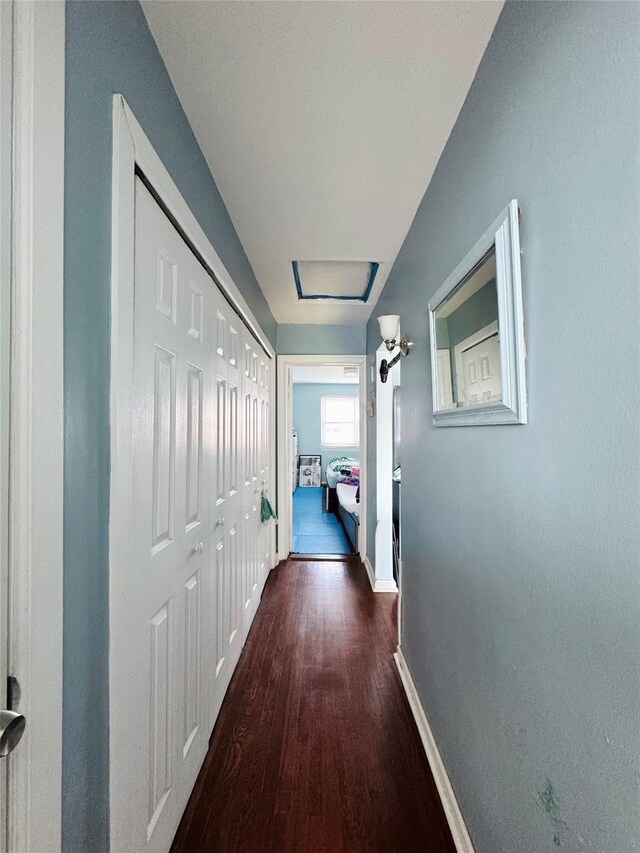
(378, 585)
(459, 831)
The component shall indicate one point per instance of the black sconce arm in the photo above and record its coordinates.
(385, 366)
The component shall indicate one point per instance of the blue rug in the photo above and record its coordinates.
(314, 531)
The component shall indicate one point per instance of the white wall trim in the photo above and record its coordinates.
(384, 465)
(459, 831)
(37, 425)
(285, 364)
(378, 585)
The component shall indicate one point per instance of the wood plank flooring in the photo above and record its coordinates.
(315, 748)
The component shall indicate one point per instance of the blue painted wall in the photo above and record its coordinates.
(307, 415)
(521, 544)
(109, 50)
(309, 339)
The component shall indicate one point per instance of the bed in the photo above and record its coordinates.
(339, 469)
(349, 511)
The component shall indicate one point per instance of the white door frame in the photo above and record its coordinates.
(132, 150)
(381, 573)
(36, 438)
(285, 422)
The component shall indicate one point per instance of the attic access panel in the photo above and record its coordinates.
(340, 280)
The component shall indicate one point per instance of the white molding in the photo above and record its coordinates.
(504, 234)
(6, 85)
(370, 572)
(376, 584)
(384, 465)
(121, 405)
(457, 826)
(400, 602)
(285, 364)
(37, 425)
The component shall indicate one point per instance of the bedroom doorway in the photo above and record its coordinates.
(321, 455)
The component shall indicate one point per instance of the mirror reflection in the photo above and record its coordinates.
(467, 341)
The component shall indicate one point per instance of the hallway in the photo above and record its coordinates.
(315, 748)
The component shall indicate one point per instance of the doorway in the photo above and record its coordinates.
(326, 459)
(322, 455)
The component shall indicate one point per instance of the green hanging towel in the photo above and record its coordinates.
(266, 510)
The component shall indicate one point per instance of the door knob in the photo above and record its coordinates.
(11, 730)
(198, 548)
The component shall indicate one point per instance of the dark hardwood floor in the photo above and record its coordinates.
(315, 748)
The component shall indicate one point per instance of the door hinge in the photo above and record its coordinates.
(14, 693)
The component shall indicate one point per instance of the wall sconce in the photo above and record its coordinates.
(389, 327)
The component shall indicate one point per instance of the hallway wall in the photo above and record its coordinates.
(521, 544)
(109, 49)
(310, 339)
(306, 405)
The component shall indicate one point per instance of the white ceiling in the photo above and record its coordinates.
(330, 373)
(322, 122)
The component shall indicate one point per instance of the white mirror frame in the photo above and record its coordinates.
(512, 409)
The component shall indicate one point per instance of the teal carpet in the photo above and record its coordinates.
(314, 531)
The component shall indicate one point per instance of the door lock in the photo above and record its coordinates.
(11, 730)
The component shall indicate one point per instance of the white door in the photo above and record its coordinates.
(167, 741)
(266, 538)
(226, 536)
(479, 379)
(251, 486)
(200, 555)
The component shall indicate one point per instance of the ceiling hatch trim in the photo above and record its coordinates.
(373, 267)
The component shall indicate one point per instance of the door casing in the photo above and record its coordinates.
(32, 242)
(285, 423)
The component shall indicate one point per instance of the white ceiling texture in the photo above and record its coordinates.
(322, 123)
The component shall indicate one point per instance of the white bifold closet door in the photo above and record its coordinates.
(201, 454)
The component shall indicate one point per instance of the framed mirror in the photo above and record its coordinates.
(477, 333)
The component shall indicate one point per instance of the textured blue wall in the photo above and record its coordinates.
(521, 544)
(307, 415)
(310, 339)
(109, 50)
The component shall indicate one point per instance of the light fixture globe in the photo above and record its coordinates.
(389, 325)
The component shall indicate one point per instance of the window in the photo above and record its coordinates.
(340, 422)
